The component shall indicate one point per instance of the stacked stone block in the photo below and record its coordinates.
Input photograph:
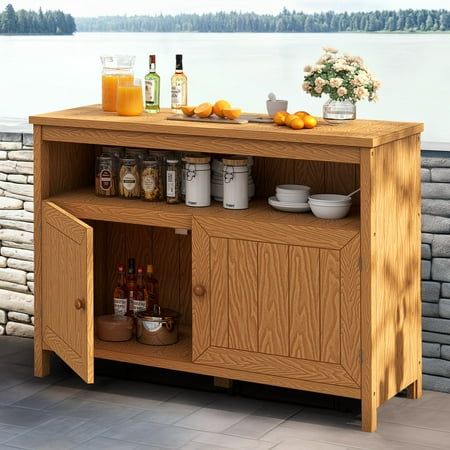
(16, 234)
(436, 271)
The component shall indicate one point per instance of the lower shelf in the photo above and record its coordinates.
(179, 357)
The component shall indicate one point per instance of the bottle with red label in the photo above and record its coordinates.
(120, 294)
(151, 288)
(139, 303)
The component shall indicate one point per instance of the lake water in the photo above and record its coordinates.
(44, 73)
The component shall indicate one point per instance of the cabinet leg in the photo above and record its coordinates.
(368, 414)
(41, 362)
(414, 390)
(224, 383)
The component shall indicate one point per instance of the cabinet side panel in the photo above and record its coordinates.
(273, 299)
(219, 292)
(186, 278)
(395, 267)
(304, 307)
(243, 294)
(330, 308)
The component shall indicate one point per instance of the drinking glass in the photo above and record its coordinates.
(130, 100)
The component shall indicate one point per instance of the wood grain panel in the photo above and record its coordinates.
(330, 308)
(201, 311)
(185, 301)
(67, 276)
(41, 190)
(354, 133)
(277, 171)
(311, 173)
(304, 302)
(340, 178)
(273, 299)
(219, 292)
(281, 366)
(243, 295)
(166, 257)
(351, 309)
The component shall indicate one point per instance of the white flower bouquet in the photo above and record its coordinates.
(342, 77)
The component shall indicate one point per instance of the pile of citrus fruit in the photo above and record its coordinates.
(296, 121)
(221, 109)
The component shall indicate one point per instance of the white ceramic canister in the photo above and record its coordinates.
(235, 183)
(198, 181)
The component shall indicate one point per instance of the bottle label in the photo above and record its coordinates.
(139, 305)
(129, 181)
(148, 183)
(171, 175)
(105, 179)
(120, 306)
(176, 96)
(150, 91)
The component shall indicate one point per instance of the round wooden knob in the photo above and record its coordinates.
(79, 304)
(199, 290)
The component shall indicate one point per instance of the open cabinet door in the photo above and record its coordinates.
(67, 289)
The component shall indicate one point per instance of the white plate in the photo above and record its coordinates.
(288, 207)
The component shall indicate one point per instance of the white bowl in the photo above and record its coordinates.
(330, 198)
(273, 106)
(292, 193)
(288, 207)
(330, 211)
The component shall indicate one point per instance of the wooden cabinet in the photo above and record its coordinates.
(276, 308)
(267, 297)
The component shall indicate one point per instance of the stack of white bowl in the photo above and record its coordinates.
(290, 198)
(217, 179)
(330, 206)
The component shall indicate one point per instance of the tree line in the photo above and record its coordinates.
(32, 22)
(408, 20)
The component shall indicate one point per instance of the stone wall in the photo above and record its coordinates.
(436, 270)
(16, 234)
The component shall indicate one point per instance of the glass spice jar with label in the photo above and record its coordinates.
(105, 176)
(173, 181)
(150, 180)
(129, 178)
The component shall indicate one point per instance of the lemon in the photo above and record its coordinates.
(203, 110)
(219, 106)
(297, 124)
(310, 121)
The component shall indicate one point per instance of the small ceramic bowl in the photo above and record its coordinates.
(293, 193)
(330, 198)
(273, 106)
(329, 211)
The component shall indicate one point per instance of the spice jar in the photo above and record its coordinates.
(150, 180)
(137, 153)
(235, 183)
(198, 181)
(115, 153)
(129, 184)
(105, 176)
(173, 181)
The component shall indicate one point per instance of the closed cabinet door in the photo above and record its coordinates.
(67, 289)
(284, 306)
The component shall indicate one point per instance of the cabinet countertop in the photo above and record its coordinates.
(354, 133)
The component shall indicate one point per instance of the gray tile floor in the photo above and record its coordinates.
(60, 412)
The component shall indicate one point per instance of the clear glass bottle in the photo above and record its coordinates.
(105, 176)
(152, 87)
(120, 294)
(173, 181)
(129, 178)
(150, 180)
(151, 288)
(179, 86)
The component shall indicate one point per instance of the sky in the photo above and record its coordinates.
(92, 8)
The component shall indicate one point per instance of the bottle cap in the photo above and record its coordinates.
(120, 269)
(179, 62)
(149, 268)
(152, 59)
(140, 269)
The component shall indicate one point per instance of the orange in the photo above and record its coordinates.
(301, 114)
(289, 118)
(232, 113)
(280, 117)
(297, 124)
(188, 110)
(203, 110)
(310, 121)
(219, 106)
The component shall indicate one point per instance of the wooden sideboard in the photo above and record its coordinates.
(330, 306)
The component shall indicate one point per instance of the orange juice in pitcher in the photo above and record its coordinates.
(130, 99)
(115, 69)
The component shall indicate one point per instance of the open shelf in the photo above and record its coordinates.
(84, 204)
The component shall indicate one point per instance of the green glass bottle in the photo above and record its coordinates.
(152, 87)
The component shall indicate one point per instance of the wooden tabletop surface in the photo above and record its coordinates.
(353, 133)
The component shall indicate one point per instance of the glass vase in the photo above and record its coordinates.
(339, 110)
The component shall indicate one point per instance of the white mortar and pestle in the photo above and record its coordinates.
(274, 105)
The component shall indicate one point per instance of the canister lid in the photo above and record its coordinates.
(236, 161)
(172, 161)
(159, 315)
(197, 159)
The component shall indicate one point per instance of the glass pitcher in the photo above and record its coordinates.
(120, 67)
